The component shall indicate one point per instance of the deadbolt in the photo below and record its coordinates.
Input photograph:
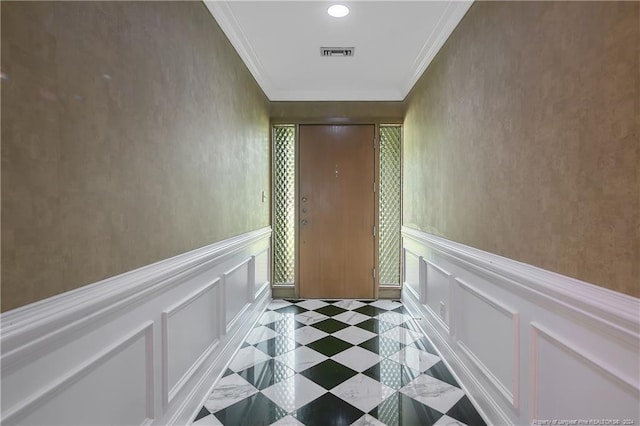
(304, 210)
(304, 199)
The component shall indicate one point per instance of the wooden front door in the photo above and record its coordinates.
(336, 211)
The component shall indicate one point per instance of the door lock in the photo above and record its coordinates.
(304, 222)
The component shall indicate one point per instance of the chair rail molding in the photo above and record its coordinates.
(527, 344)
(143, 347)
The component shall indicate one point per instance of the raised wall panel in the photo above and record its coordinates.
(436, 292)
(563, 383)
(86, 395)
(262, 270)
(236, 294)
(190, 329)
(411, 271)
(488, 333)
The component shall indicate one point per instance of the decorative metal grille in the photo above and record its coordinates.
(284, 180)
(390, 193)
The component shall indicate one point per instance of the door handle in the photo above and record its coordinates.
(304, 199)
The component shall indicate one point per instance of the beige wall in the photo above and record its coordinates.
(131, 132)
(337, 112)
(522, 138)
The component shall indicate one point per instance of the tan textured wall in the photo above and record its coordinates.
(337, 112)
(522, 138)
(131, 132)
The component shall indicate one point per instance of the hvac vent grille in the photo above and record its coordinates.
(337, 51)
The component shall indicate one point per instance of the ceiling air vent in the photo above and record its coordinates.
(336, 51)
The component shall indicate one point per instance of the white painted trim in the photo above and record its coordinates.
(30, 404)
(46, 345)
(424, 289)
(34, 330)
(223, 15)
(481, 399)
(196, 399)
(603, 325)
(512, 397)
(447, 22)
(168, 394)
(618, 310)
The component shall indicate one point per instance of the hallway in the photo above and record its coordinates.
(337, 362)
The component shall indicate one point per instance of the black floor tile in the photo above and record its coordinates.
(227, 372)
(375, 326)
(329, 345)
(381, 345)
(331, 301)
(328, 410)
(291, 309)
(265, 374)
(465, 412)
(330, 310)
(277, 345)
(441, 372)
(400, 410)
(330, 325)
(372, 311)
(329, 374)
(203, 413)
(391, 373)
(256, 410)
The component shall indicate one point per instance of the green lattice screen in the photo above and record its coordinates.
(284, 181)
(390, 204)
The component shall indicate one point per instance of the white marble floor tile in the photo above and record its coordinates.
(209, 420)
(310, 317)
(386, 304)
(391, 317)
(367, 420)
(415, 358)
(301, 358)
(357, 358)
(448, 421)
(433, 392)
(294, 392)
(277, 304)
(306, 335)
(349, 304)
(270, 316)
(247, 357)
(287, 421)
(351, 318)
(228, 391)
(363, 392)
(260, 334)
(402, 335)
(312, 304)
(354, 335)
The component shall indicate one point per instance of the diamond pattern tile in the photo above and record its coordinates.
(355, 362)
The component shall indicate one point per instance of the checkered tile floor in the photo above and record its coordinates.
(340, 362)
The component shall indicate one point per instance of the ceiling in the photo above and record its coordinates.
(394, 42)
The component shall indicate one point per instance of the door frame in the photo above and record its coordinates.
(285, 291)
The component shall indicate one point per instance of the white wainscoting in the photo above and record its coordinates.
(143, 347)
(528, 345)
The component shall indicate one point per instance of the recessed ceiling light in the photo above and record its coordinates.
(338, 11)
